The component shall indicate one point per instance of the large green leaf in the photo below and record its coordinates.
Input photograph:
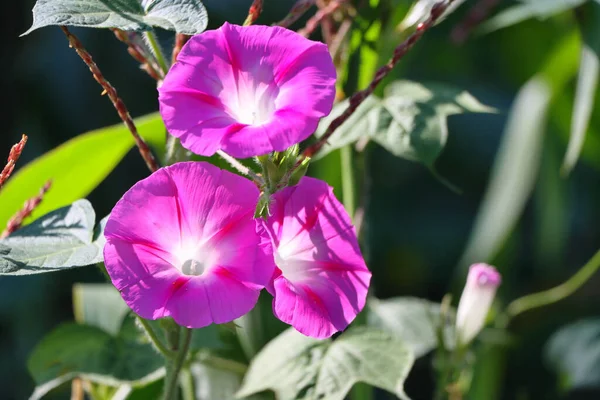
(76, 167)
(77, 350)
(65, 238)
(298, 367)
(99, 305)
(183, 16)
(513, 176)
(574, 351)
(540, 9)
(409, 122)
(589, 71)
(411, 319)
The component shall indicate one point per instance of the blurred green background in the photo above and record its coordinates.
(416, 229)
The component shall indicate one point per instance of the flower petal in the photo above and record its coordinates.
(322, 279)
(183, 243)
(247, 90)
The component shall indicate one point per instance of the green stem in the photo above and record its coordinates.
(187, 385)
(157, 51)
(224, 364)
(172, 378)
(154, 338)
(241, 168)
(553, 295)
(348, 189)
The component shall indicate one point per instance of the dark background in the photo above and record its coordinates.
(416, 227)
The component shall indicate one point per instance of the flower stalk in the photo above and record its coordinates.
(30, 205)
(175, 365)
(119, 105)
(254, 12)
(13, 156)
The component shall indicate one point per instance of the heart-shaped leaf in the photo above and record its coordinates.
(65, 238)
(298, 367)
(182, 16)
(410, 121)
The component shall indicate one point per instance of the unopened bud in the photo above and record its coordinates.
(476, 301)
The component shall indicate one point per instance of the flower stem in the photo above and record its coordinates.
(154, 338)
(553, 295)
(157, 50)
(241, 168)
(172, 378)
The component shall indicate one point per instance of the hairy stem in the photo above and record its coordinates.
(241, 168)
(254, 12)
(114, 98)
(154, 338)
(13, 156)
(17, 220)
(172, 378)
(157, 51)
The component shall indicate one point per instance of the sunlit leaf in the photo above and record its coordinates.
(589, 70)
(540, 9)
(421, 10)
(295, 366)
(183, 16)
(76, 167)
(409, 122)
(513, 176)
(411, 319)
(574, 351)
(65, 238)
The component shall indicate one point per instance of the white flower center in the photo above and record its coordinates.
(193, 267)
(192, 259)
(254, 103)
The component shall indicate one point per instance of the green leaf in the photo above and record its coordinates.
(182, 16)
(62, 239)
(410, 122)
(540, 9)
(421, 10)
(574, 351)
(360, 123)
(415, 321)
(513, 176)
(295, 366)
(75, 167)
(589, 71)
(99, 305)
(75, 350)
(102, 306)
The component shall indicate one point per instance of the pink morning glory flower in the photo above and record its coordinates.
(247, 90)
(321, 280)
(182, 243)
(476, 300)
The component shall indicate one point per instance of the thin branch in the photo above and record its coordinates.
(296, 12)
(180, 40)
(357, 99)
(13, 156)
(338, 39)
(116, 100)
(316, 20)
(475, 16)
(254, 12)
(17, 220)
(136, 49)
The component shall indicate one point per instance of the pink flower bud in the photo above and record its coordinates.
(475, 301)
